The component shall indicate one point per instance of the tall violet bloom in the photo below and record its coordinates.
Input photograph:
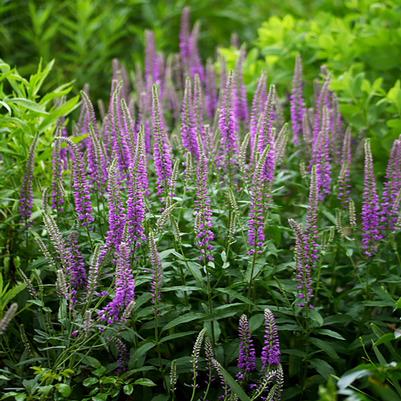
(157, 270)
(266, 138)
(256, 221)
(26, 195)
(117, 215)
(97, 164)
(76, 271)
(298, 109)
(119, 133)
(113, 312)
(188, 121)
(241, 98)
(57, 192)
(196, 67)
(344, 179)
(210, 90)
(311, 230)
(161, 148)
(390, 204)
(203, 213)
(303, 267)
(136, 198)
(258, 102)
(185, 38)
(321, 157)
(247, 354)
(228, 123)
(370, 207)
(80, 184)
(271, 349)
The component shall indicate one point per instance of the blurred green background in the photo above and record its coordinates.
(85, 35)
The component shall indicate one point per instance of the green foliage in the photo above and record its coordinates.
(360, 48)
(26, 113)
(85, 35)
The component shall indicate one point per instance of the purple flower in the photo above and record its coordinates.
(80, 184)
(185, 38)
(241, 98)
(117, 216)
(124, 287)
(210, 90)
(298, 109)
(136, 199)
(303, 267)
(256, 221)
(203, 213)
(119, 130)
(321, 156)
(161, 148)
(266, 136)
(57, 192)
(258, 102)
(26, 195)
(370, 207)
(76, 271)
(247, 354)
(271, 348)
(390, 204)
(228, 124)
(311, 230)
(188, 121)
(157, 269)
(344, 181)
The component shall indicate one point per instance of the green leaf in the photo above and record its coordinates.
(331, 333)
(235, 387)
(64, 389)
(90, 381)
(144, 382)
(28, 104)
(347, 379)
(128, 389)
(189, 317)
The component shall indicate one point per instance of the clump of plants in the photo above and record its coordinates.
(194, 245)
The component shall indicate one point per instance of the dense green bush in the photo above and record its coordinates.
(360, 48)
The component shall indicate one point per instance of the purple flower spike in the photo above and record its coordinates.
(203, 213)
(344, 178)
(117, 216)
(266, 136)
(256, 221)
(80, 184)
(370, 207)
(247, 354)
(298, 108)
(390, 204)
(303, 267)
(321, 157)
(258, 102)
(228, 124)
(241, 98)
(188, 121)
(157, 270)
(271, 348)
(76, 271)
(161, 148)
(185, 38)
(113, 312)
(210, 90)
(26, 195)
(57, 192)
(136, 198)
(311, 231)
